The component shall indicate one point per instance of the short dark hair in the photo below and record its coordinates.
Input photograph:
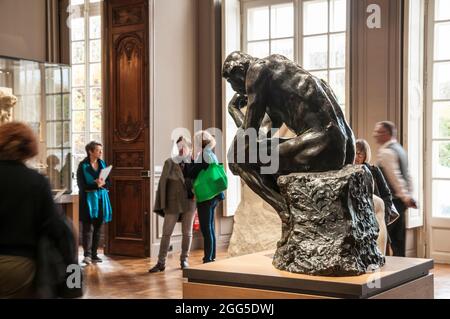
(18, 142)
(91, 147)
(390, 127)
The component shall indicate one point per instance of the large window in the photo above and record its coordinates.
(269, 28)
(439, 105)
(324, 42)
(86, 59)
(310, 32)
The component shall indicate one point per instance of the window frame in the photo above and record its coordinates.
(87, 10)
(249, 4)
(429, 106)
(299, 38)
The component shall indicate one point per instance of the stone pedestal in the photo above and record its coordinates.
(330, 227)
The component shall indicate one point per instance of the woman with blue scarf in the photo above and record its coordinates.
(95, 207)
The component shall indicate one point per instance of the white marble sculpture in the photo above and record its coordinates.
(257, 226)
(379, 214)
(7, 102)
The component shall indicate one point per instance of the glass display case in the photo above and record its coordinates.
(42, 92)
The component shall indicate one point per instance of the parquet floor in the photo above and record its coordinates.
(128, 278)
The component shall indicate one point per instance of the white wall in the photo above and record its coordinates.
(175, 74)
(22, 29)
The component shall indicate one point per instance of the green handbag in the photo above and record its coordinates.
(210, 182)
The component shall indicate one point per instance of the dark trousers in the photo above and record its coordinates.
(91, 235)
(206, 212)
(397, 231)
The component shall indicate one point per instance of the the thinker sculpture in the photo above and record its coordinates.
(324, 202)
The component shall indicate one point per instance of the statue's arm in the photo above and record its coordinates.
(256, 111)
(234, 108)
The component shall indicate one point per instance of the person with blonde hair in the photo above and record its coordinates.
(204, 144)
(385, 210)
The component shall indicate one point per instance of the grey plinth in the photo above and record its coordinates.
(330, 227)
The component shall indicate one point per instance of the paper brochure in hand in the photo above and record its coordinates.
(105, 172)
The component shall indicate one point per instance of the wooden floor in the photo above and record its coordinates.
(128, 278)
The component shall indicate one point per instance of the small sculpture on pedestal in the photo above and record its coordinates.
(324, 202)
(7, 102)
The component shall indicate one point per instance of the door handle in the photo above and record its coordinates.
(146, 174)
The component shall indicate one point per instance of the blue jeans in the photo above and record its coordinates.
(206, 218)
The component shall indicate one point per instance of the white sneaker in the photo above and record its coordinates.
(87, 260)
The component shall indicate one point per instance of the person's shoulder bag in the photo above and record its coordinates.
(210, 182)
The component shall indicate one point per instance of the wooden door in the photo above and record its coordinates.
(127, 125)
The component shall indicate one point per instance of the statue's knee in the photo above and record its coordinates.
(234, 168)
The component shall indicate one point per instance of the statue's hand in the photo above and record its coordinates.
(239, 101)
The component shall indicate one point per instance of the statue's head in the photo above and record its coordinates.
(235, 70)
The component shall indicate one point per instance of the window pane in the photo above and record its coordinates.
(76, 2)
(66, 80)
(321, 75)
(54, 111)
(282, 21)
(96, 98)
(96, 121)
(258, 23)
(258, 49)
(78, 75)
(441, 204)
(95, 72)
(441, 159)
(78, 99)
(54, 134)
(441, 120)
(337, 50)
(442, 10)
(284, 47)
(96, 137)
(441, 83)
(315, 17)
(79, 143)
(441, 43)
(66, 107)
(77, 29)
(66, 134)
(95, 51)
(53, 80)
(315, 52)
(95, 27)
(338, 19)
(93, 1)
(79, 121)
(78, 52)
(337, 83)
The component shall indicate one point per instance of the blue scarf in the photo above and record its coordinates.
(94, 197)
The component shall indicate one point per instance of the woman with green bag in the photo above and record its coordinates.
(209, 183)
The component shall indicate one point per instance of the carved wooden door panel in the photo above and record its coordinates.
(127, 125)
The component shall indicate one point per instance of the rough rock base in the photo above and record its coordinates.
(330, 227)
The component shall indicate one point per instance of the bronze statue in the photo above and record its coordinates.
(325, 203)
(277, 91)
